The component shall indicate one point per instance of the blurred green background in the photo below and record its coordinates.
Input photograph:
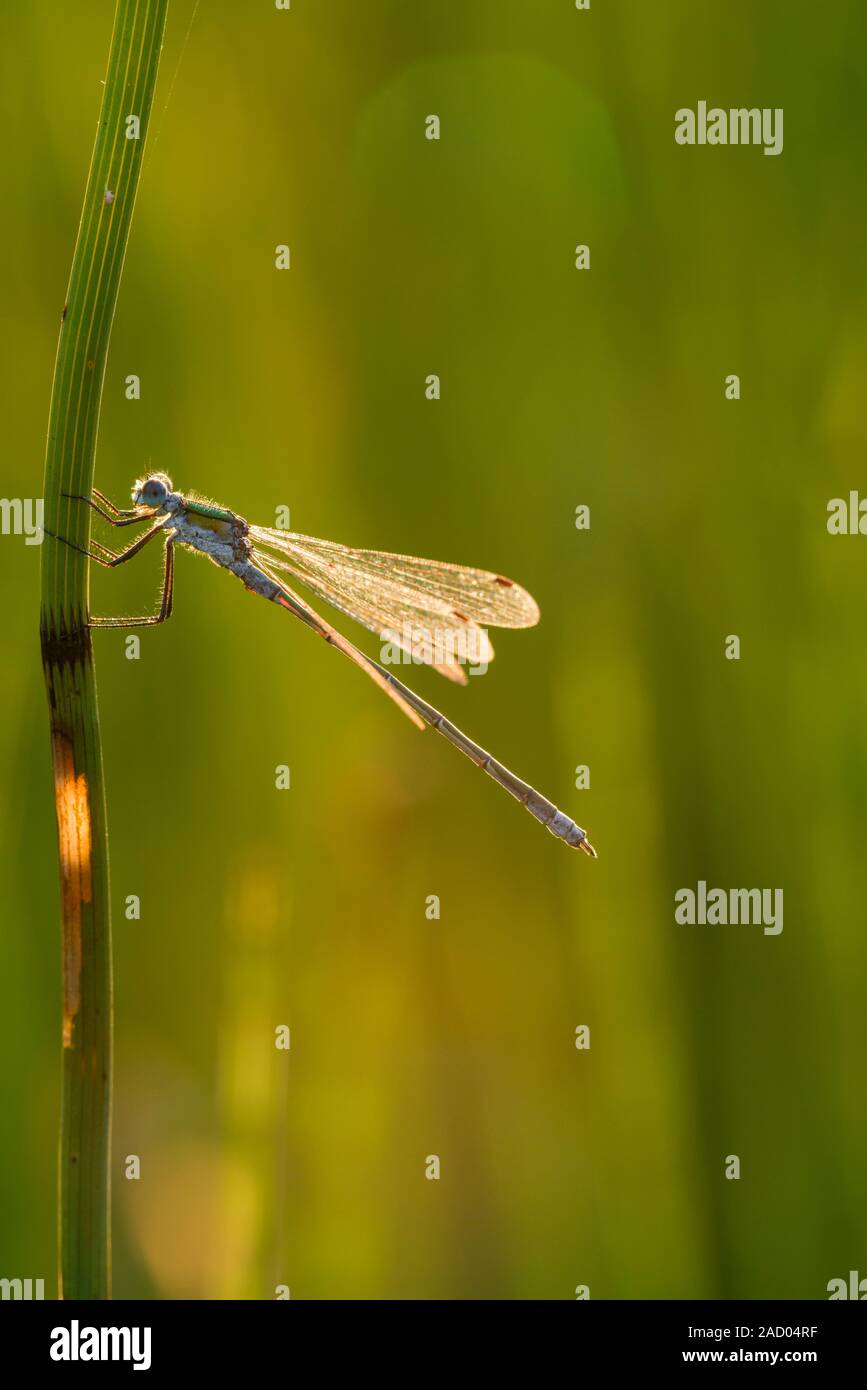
(305, 388)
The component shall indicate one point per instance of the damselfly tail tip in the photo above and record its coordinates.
(567, 830)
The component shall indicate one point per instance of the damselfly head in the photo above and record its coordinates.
(151, 491)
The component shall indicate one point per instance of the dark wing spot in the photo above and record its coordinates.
(463, 617)
(506, 583)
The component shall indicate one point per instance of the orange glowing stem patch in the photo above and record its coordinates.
(72, 800)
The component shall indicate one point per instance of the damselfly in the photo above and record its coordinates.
(413, 602)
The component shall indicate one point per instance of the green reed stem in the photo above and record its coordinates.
(85, 1130)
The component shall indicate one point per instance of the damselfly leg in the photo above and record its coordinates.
(110, 559)
(104, 507)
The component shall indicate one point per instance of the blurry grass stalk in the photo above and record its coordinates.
(85, 1137)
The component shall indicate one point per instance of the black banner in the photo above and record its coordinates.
(159, 1338)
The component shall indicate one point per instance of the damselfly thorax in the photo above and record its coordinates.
(221, 535)
(412, 602)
